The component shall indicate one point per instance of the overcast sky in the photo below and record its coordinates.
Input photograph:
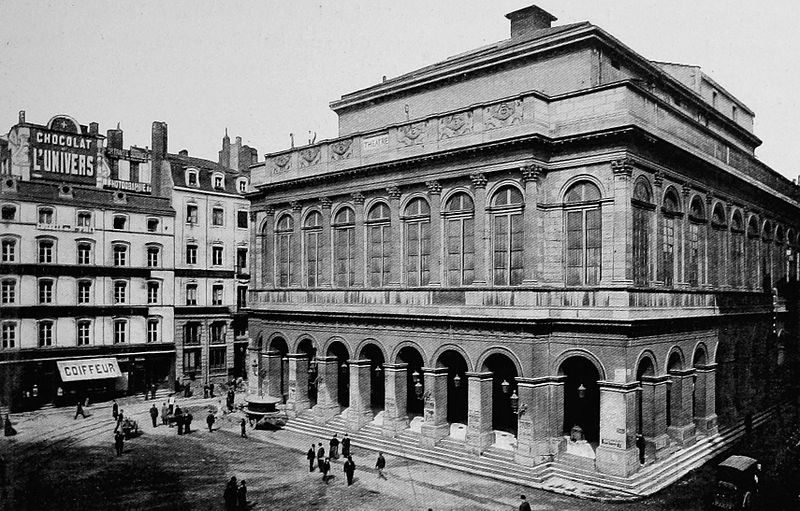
(265, 69)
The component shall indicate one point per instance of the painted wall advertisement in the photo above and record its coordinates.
(63, 156)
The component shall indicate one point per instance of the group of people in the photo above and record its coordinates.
(235, 495)
(150, 390)
(317, 453)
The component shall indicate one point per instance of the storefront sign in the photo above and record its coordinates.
(127, 186)
(88, 369)
(62, 156)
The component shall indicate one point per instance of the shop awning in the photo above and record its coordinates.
(88, 369)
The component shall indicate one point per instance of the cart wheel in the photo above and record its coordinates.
(747, 502)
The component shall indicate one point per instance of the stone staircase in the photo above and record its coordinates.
(566, 478)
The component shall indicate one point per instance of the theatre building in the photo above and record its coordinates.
(86, 271)
(547, 245)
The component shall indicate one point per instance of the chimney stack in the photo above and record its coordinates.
(94, 128)
(114, 138)
(22, 116)
(159, 155)
(528, 20)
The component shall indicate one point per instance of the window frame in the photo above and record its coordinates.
(8, 249)
(379, 252)
(81, 286)
(79, 326)
(6, 207)
(217, 294)
(417, 242)
(117, 217)
(153, 254)
(511, 214)
(120, 335)
(46, 249)
(120, 292)
(153, 292)
(45, 326)
(46, 296)
(8, 291)
(217, 255)
(153, 330)
(44, 210)
(191, 250)
(343, 233)
(217, 216)
(190, 292)
(8, 335)
(312, 250)
(120, 252)
(192, 213)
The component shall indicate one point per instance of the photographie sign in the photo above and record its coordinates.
(88, 369)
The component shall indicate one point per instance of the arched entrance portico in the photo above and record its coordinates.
(680, 413)
(457, 389)
(339, 352)
(404, 390)
(308, 348)
(445, 395)
(332, 381)
(651, 406)
(581, 396)
(277, 368)
(504, 384)
(366, 386)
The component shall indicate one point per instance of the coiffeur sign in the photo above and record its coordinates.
(88, 369)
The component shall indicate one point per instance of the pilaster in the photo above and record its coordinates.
(623, 222)
(395, 416)
(325, 243)
(327, 388)
(479, 187)
(298, 384)
(617, 454)
(295, 249)
(271, 360)
(268, 250)
(435, 197)
(256, 253)
(360, 412)
(539, 417)
(435, 426)
(532, 248)
(681, 428)
(654, 414)
(705, 416)
(255, 379)
(358, 236)
(396, 255)
(479, 412)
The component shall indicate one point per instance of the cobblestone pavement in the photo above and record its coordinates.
(57, 462)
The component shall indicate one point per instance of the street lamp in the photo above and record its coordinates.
(418, 390)
(581, 391)
(506, 387)
(518, 409)
(457, 381)
(378, 370)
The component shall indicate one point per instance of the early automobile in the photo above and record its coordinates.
(738, 481)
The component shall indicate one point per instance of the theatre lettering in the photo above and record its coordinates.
(68, 155)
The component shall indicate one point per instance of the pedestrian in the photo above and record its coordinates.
(334, 447)
(243, 425)
(171, 402)
(79, 410)
(154, 415)
(120, 417)
(230, 494)
(241, 496)
(153, 388)
(346, 445)
(211, 388)
(320, 453)
(310, 455)
(146, 391)
(524, 505)
(231, 399)
(179, 419)
(210, 420)
(205, 391)
(325, 467)
(349, 469)
(164, 412)
(187, 425)
(641, 444)
(119, 441)
(8, 428)
(114, 409)
(380, 465)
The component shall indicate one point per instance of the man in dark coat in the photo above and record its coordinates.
(346, 445)
(243, 425)
(154, 415)
(119, 440)
(241, 496)
(79, 410)
(320, 454)
(334, 443)
(524, 506)
(179, 419)
(230, 400)
(325, 467)
(8, 428)
(187, 425)
(210, 418)
(380, 465)
(230, 494)
(310, 455)
(114, 409)
(349, 469)
(641, 444)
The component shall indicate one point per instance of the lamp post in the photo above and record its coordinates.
(457, 381)
(581, 391)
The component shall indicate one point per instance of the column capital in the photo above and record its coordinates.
(325, 202)
(434, 187)
(478, 179)
(541, 380)
(622, 168)
(394, 192)
(658, 178)
(253, 215)
(327, 360)
(297, 356)
(532, 173)
(295, 205)
(358, 198)
(360, 363)
(395, 367)
(615, 386)
(686, 189)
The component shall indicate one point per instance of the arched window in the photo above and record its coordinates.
(753, 242)
(670, 211)
(716, 247)
(697, 217)
(643, 208)
(417, 220)
(779, 255)
(766, 257)
(379, 244)
(459, 215)
(283, 249)
(737, 249)
(312, 231)
(791, 254)
(583, 236)
(344, 246)
(507, 236)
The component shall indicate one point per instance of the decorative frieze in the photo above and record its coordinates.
(283, 163)
(658, 178)
(270, 211)
(394, 192)
(532, 173)
(342, 149)
(434, 187)
(412, 134)
(501, 115)
(358, 198)
(622, 168)
(478, 180)
(309, 156)
(295, 205)
(325, 202)
(455, 125)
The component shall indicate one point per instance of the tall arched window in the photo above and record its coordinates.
(643, 208)
(737, 249)
(283, 249)
(670, 211)
(417, 219)
(507, 236)
(459, 215)
(583, 235)
(312, 229)
(791, 255)
(379, 244)
(766, 257)
(344, 245)
(716, 247)
(753, 242)
(694, 241)
(779, 256)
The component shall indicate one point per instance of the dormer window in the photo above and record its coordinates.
(46, 216)
(120, 222)
(84, 219)
(9, 212)
(218, 181)
(241, 185)
(192, 178)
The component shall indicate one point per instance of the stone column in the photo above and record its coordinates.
(256, 255)
(435, 266)
(533, 242)
(255, 380)
(395, 416)
(481, 262)
(539, 419)
(705, 416)
(272, 362)
(325, 252)
(295, 250)
(681, 427)
(479, 412)
(617, 454)
(358, 238)
(268, 250)
(654, 414)
(298, 384)
(396, 257)
(623, 222)
(360, 410)
(435, 426)
(327, 388)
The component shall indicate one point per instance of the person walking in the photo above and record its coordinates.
(334, 443)
(346, 445)
(229, 496)
(187, 425)
(230, 399)
(380, 465)
(210, 419)
(154, 415)
(320, 454)
(171, 402)
(79, 410)
(243, 425)
(349, 470)
(153, 389)
(310, 455)
(120, 418)
(164, 416)
(325, 467)
(114, 409)
(119, 441)
(241, 496)
(211, 389)
(8, 428)
(641, 444)
(524, 505)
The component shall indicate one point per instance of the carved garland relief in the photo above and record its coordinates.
(342, 149)
(455, 125)
(283, 163)
(503, 114)
(309, 157)
(412, 134)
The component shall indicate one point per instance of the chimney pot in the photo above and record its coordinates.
(529, 19)
(94, 128)
(183, 152)
(22, 116)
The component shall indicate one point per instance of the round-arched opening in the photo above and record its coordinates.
(700, 358)
(581, 396)
(504, 384)
(377, 389)
(279, 345)
(645, 368)
(306, 346)
(339, 350)
(414, 402)
(456, 385)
